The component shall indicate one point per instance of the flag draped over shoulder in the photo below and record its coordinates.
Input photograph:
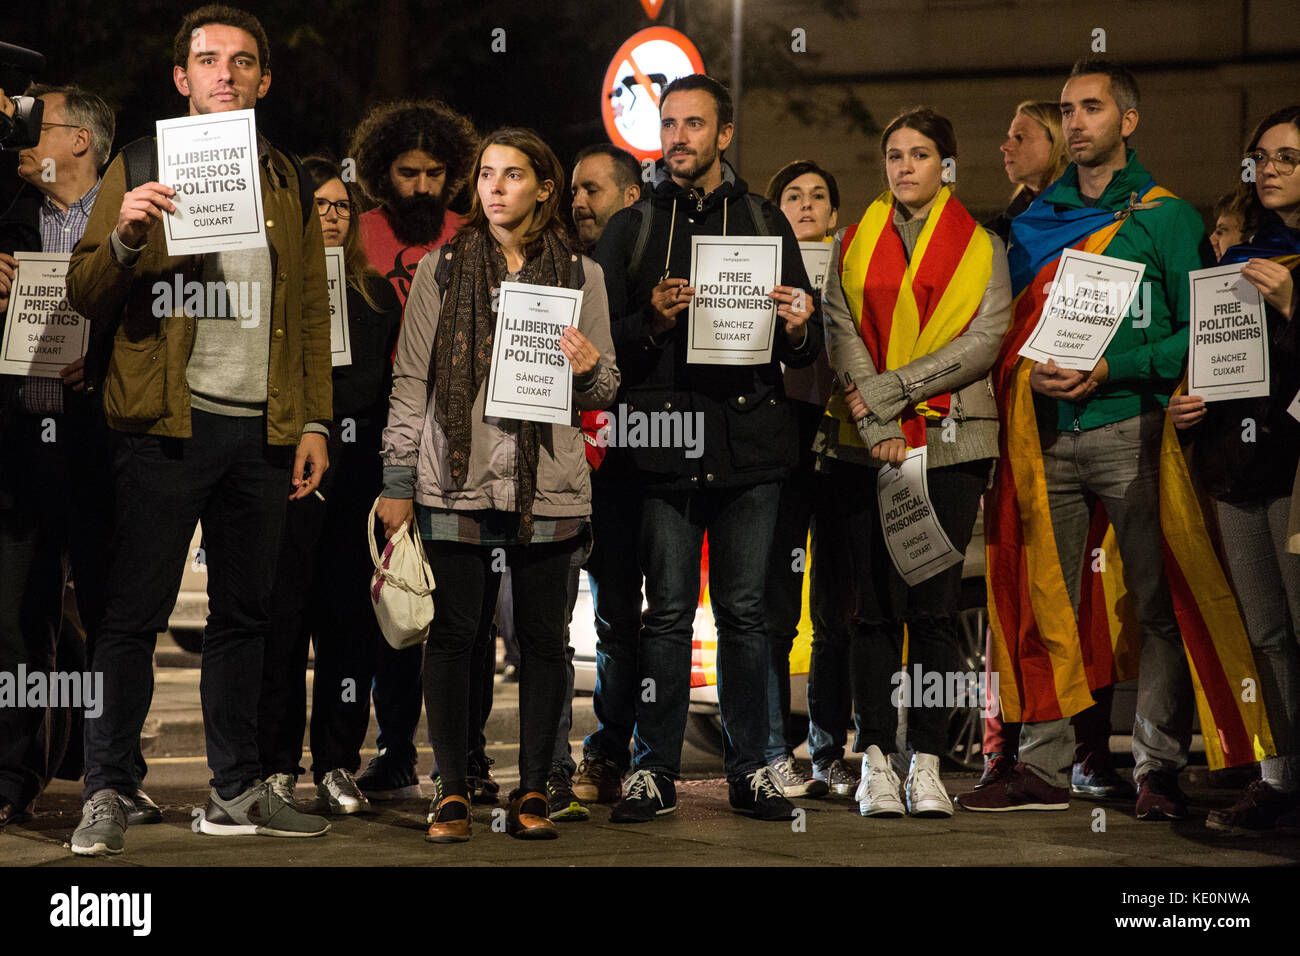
(1048, 662)
(906, 309)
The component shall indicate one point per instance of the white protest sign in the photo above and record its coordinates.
(336, 277)
(1090, 296)
(731, 319)
(211, 162)
(916, 542)
(531, 379)
(816, 261)
(43, 333)
(1228, 340)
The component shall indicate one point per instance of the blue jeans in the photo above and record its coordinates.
(740, 523)
(614, 575)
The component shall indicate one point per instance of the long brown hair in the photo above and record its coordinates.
(320, 170)
(1047, 115)
(545, 165)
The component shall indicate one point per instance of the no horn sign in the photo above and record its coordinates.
(643, 66)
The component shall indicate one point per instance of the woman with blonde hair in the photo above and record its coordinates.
(1033, 155)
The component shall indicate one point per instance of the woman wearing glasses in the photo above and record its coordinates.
(1245, 453)
(320, 587)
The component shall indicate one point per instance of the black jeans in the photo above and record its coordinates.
(226, 475)
(885, 603)
(465, 600)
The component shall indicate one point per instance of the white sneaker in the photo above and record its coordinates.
(282, 785)
(926, 796)
(339, 792)
(877, 793)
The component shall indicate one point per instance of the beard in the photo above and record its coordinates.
(697, 164)
(417, 220)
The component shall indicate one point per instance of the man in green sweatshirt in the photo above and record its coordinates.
(1101, 434)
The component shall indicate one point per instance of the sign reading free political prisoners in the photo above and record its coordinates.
(1090, 296)
(42, 332)
(731, 318)
(531, 379)
(816, 261)
(336, 277)
(1228, 352)
(916, 542)
(211, 162)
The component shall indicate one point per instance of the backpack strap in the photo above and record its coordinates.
(306, 195)
(140, 162)
(761, 226)
(646, 209)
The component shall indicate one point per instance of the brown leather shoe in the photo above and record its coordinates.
(529, 819)
(443, 830)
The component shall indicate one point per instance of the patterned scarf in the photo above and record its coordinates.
(462, 354)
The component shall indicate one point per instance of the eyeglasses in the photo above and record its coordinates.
(343, 207)
(1284, 160)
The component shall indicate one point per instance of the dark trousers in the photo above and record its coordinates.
(226, 475)
(614, 575)
(885, 603)
(53, 460)
(465, 601)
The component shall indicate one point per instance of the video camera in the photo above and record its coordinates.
(22, 130)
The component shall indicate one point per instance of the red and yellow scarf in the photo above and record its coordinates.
(904, 310)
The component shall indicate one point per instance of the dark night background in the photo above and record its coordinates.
(332, 60)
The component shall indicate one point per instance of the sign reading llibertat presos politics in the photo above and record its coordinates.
(336, 277)
(1089, 298)
(1228, 351)
(43, 333)
(731, 319)
(816, 261)
(917, 543)
(211, 162)
(531, 379)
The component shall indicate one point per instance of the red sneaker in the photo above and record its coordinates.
(1021, 790)
(1159, 797)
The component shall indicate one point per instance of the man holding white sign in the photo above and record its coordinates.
(1096, 437)
(728, 482)
(211, 418)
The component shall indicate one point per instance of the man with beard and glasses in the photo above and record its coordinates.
(413, 157)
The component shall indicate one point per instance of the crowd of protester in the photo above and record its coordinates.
(910, 342)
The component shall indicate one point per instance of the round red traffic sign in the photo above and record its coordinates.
(629, 99)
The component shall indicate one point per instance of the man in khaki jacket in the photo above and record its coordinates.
(206, 411)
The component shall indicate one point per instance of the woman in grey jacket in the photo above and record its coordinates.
(915, 314)
(492, 491)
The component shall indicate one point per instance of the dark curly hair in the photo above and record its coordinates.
(391, 129)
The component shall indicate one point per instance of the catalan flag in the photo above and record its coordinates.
(1048, 661)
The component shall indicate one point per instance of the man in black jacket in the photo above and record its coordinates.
(736, 440)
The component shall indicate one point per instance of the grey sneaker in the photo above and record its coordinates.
(794, 782)
(339, 792)
(283, 784)
(837, 775)
(260, 811)
(102, 831)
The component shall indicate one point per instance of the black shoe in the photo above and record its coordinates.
(12, 813)
(647, 795)
(385, 779)
(564, 805)
(759, 795)
(483, 789)
(140, 809)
